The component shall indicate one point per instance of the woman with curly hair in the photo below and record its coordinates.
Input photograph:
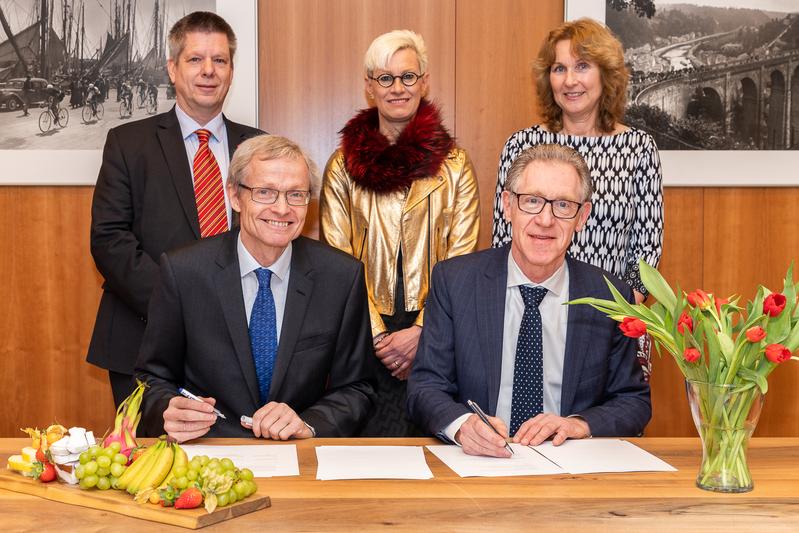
(400, 196)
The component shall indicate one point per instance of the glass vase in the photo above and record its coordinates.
(725, 417)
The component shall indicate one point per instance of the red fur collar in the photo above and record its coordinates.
(376, 164)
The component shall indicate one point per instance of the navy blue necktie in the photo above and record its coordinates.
(263, 333)
(528, 370)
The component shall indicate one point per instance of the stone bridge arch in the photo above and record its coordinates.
(775, 118)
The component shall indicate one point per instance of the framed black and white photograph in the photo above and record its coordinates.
(715, 82)
(84, 57)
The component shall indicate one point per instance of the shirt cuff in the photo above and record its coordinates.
(454, 426)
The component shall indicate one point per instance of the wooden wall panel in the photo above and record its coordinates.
(497, 43)
(50, 291)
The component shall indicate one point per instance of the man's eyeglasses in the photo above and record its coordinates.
(564, 209)
(408, 79)
(265, 195)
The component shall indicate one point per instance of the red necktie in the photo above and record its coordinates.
(208, 190)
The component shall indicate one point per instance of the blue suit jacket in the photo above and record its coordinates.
(460, 351)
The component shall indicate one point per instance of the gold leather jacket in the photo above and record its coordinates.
(438, 217)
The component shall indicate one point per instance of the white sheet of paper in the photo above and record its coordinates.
(524, 462)
(589, 456)
(268, 460)
(371, 462)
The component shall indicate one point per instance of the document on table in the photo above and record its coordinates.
(371, 462)
(267, 460)
(589, 456)
(524, 462)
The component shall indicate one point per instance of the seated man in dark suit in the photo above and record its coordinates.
(259, 322)
(497, 332)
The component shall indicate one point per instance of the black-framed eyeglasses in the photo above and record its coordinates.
(532, 204)
(408, 79)
(265, 195)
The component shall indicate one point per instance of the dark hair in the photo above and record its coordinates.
(199, 21)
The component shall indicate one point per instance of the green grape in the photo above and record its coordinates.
(227, 464)
(84, 458)
(91, 467)
(182, 482)
(246, 474)
(232, 496)
(103, 483)
(120, 458)
(103, 461)
(252, 487)
(113, 480)
(94, 450)
(83, 485)
(80, 471)
(194, 464)
(90, 480)
(116, 446)
(180, 471)
(117, 469)
(241, 490)
(108, 452)
(222, 499)
(213, 463)
(203, 459)
(102, 472)
(192, 475)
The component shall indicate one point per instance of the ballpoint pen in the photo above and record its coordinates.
(190, 396)
(479, 412)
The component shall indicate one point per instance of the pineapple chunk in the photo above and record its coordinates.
(29, 454)
(18, 464)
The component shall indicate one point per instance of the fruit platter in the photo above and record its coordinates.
(155, 481)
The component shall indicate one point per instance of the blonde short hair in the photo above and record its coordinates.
(267, 148)
(385, 46)
(551, 152)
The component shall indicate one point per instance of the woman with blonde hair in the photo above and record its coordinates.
(400, 196)
(581, 80)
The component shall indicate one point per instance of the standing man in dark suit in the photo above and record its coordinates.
(260, 322)
(497, 332)
(153, 173)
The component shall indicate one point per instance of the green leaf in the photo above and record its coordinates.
(656, 285)
(754, 377)
(727, 346)
(792, 342)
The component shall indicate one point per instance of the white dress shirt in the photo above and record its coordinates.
(217, 142)
(279, 281)
(554, 322)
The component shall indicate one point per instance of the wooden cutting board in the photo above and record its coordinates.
(117, 501)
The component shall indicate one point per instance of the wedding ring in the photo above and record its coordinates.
(396, 364)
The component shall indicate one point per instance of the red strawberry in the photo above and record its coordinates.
(44, 471)
(189, 499)
(41, 456)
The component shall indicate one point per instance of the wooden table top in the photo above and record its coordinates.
(647, 501)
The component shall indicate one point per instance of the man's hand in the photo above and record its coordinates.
(278, 421)
(539, 428)
(397, 350)
(187, 419)
(479, 439)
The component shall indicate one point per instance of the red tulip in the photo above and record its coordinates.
(691, 355)
(685, 322)
(755, 334)
(774, 304)
(777, 353)
(699, 298)
(632, 327)
(720, 302)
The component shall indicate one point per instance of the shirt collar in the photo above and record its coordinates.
(188, 125)
(556, 283)
(247, 263)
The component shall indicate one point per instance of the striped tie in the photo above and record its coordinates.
(208, 190)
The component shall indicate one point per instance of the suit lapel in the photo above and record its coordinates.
(174, 150)
(297, 298)
(228, 288)
(490, 320)
(236, 134)
(578, 336)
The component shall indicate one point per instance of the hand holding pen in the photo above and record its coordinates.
(483, 435)
(187, 418)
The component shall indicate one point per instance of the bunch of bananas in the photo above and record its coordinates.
(153, 469)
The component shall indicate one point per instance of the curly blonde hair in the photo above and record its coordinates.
(593, 42)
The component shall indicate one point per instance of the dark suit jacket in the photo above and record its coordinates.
(143, 205)
(460, 352)
(197, 337)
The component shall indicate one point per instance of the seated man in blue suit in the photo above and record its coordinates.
(497, 333)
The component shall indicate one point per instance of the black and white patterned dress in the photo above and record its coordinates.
(626, 221)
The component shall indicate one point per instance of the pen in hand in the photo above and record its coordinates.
(190, 396)
(479, 412)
